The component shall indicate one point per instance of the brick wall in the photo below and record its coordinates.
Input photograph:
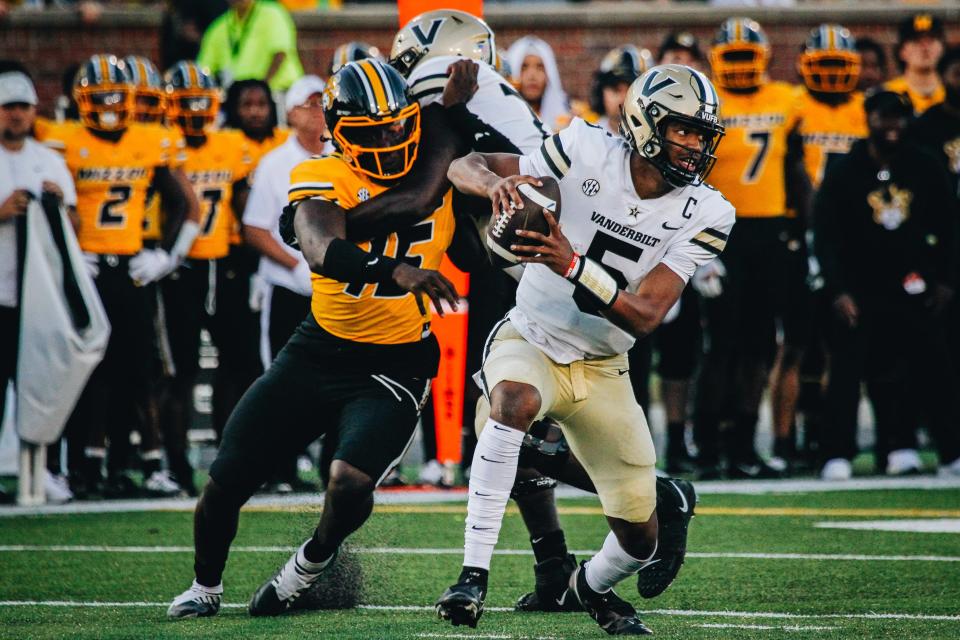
(579, 33)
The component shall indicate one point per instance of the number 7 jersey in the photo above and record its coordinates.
(603, 218)
(371, 312)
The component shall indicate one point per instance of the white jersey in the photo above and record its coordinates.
(605, 219)
(495, 102)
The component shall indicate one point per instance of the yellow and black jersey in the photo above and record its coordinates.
(112, 179)
(153, 215)
(828, 131)
(920, 102)
(212, 169)
(257, 149)
(750, 161)
(371, 313)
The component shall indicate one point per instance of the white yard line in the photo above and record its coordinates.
(77, 548)
(763, 627)
(741, 487)
(664, 612)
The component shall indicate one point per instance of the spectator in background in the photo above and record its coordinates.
(888, 254)
(938, 130)
(918, 51)
(27, 169)
(682, 47)
(283, 269)
(873, 64)
(254, 39)
(537, 78)
(184, 23)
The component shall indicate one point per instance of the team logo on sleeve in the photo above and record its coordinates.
(590, 187)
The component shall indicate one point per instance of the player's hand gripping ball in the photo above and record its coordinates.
(519, 204)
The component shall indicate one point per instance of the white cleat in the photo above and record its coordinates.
(161, 484)
(196, 602)
(951, 470)
(837, 469)
(904, 462)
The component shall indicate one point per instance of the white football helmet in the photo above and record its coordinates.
(444, 32)
(672, 92)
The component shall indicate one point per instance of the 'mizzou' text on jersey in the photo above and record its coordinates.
(111, 174)
(623, 230)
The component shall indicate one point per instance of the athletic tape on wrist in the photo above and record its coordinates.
(594, 279)
(189, 231)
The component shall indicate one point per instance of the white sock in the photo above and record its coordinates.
(313, 567)
(491, 478)
(213, 591)
(611, 565)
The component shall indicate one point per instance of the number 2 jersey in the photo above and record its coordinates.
(112, 179)
(605, 219)
(375, 313)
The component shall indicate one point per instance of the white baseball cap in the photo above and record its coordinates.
(16, 87)
(301, 90)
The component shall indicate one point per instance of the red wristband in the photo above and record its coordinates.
(572, 269)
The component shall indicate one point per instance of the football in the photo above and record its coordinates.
(501, 232)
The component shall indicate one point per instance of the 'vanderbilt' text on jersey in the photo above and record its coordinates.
(605, 219)
(363, 312)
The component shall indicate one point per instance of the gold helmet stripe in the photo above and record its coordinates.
(376, 84)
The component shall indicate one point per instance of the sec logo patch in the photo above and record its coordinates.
(590, 187)
(363, 194)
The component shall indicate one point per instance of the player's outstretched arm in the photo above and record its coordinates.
(321, 232)
(491, 175)
(636, 313)
(419, 193)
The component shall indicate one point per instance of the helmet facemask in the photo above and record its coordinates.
(383, 148)
(830, 71)
(679, 165)
(193, 110)
(739, 66)
(148, 104)
(105, 107)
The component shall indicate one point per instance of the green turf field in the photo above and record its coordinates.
(719, 593)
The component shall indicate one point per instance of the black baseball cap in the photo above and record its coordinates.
(888, 103)
(919, 26)
(681, 40)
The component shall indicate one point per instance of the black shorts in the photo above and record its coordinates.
(368, 419)
(766, 288)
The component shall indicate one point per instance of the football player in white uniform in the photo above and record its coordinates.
(638, 221)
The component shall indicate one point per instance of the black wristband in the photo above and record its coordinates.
(346, 262)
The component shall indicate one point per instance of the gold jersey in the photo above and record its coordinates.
(153, 215)
(920, 102)
(365, 312)
(750, 161)
(212, 169)
(829, 131)
(112, 179)
(257, 149)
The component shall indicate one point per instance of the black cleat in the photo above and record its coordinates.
(754, 469)
(462, 603)
(615, 615)
(551, 591)
(676, 500)
(278, 594)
